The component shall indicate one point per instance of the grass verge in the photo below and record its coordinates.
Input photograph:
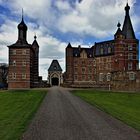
(123, 106)
(16, 110)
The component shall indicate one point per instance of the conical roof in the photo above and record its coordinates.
(35, 42)
(127, 26)
(119, 31)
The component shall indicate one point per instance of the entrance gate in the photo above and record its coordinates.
(55, 81)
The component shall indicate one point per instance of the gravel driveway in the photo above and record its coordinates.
(63, 116)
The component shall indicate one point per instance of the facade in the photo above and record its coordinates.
(55, 77)
(97, 65)
(23, 61)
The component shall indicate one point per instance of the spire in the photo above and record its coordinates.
(22, 30)
(127, 26)
(22, 14)
(119, 31)
(69, 45)
(127, 8)
(35, 37)
(35, 44)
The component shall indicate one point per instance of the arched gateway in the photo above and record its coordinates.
(55, 77)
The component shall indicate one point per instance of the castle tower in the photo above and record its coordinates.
(35, 72)
(126, 45)
(21, 61)
(69, 64)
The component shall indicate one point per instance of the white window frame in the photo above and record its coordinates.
(132, 76)
(101, 77)
(108, 77)
(13, 75)
(14, 63)
(23, 75)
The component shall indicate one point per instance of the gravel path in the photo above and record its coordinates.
(63, 116)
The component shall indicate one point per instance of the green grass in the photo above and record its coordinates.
(123, 106)
(16, 110)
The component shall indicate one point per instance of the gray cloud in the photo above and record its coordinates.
(89, 17)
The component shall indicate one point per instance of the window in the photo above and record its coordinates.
(14, 63)
(24, 52)
(83, 70)
(83, 77)
(132, 76)
(83, 62)
(23, 76)
(23, 63)
(89, 77)
(130, 66)
(101, 77)
(109, 50)
(130, 48)
(101, 51)
(94, 63)
(75, 77)
(90, 70)
(108, 77)
(13, 52)
(13, 75)
(130, 56)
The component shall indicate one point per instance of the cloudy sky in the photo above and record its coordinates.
(57, 22)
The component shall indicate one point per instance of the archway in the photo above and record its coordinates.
(55, 81)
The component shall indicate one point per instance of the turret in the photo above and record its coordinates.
(127, 26)
(22, 31)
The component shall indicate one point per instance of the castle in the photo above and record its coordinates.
(104, 61)
(113, 63)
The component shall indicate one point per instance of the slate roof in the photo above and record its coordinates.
(35, 43)
(55, 66)
(127, 26)
(77, 51)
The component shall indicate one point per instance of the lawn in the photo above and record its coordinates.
(16, 110)
(123, 106)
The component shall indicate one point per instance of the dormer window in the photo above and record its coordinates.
(101, 51)
(109, 50)
(55, 67)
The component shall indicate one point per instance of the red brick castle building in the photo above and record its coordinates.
(23, 61)
(98, 65)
